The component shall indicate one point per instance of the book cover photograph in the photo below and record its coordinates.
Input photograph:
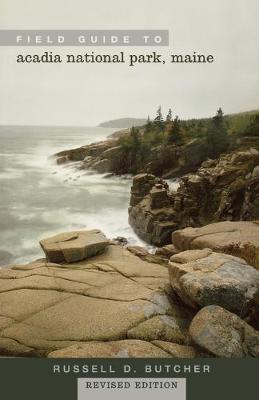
(129, 211)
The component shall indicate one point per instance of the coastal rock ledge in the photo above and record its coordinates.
(112, 304)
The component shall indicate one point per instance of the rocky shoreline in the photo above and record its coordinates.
(108, 157)
(91, 297)
(166, 160)
(196, 296)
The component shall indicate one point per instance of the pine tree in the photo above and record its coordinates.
(159, 121)
(175, 134)
(169, 115)
(217, 135)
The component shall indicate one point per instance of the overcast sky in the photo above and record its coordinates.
(88, 94)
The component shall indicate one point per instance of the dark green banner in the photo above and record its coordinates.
(56, 379)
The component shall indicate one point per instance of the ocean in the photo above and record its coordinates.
(40, 199)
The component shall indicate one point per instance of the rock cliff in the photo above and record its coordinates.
(226, 189)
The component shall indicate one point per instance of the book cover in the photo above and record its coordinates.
(129, 212)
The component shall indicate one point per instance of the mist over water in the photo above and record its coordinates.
(40, 199)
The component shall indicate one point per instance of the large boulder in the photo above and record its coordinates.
(74, 246)
(239, 238)
(224, 334)
(203, 277)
